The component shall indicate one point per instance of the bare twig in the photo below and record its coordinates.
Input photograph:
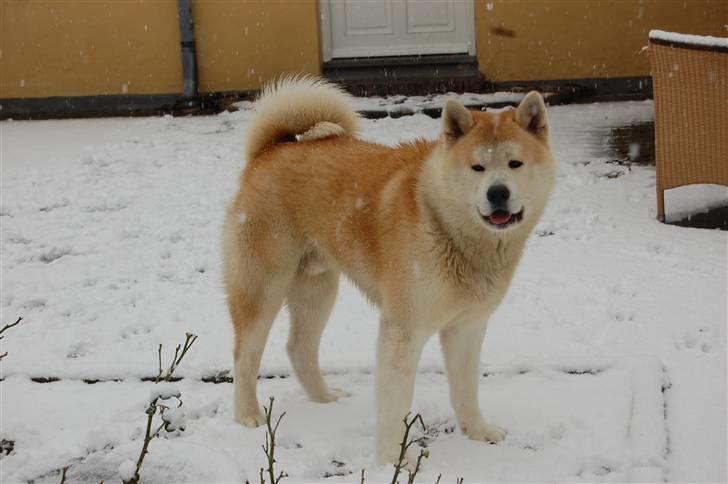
(361, 481)
(270, 445)
(63, 473)
(439, 476)
(5, 328)
(189, 341)
(159, 353)
(405, 445)
(460, 480)
(11, 325)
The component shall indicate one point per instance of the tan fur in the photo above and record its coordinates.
(402, 223)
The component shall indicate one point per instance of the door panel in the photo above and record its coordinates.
(373, 17)
(366, 28)
(432, 16)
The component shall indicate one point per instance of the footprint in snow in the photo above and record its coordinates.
(54, 254)
(701, 340)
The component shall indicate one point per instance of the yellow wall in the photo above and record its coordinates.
(86, 47)
(77, 47)
(242, 44)
(562, 39)
(72, 48)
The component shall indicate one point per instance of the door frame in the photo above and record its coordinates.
(326, 37)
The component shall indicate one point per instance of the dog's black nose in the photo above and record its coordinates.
(498, 194)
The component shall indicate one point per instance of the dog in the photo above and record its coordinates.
(430, 231)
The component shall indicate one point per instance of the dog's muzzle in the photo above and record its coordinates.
(501, 219)
(500, 216)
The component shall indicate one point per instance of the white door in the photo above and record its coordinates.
(366, 28)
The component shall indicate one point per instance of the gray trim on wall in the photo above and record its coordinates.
(119, 105)
(563, 91)
(587, 89)
(100, 105)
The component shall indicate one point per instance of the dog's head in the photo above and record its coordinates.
(497, 166)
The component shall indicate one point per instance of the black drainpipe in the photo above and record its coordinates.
(190, 96)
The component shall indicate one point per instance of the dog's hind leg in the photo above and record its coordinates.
(252, 313)
(258, 269)
(310, 300)
(461, 345)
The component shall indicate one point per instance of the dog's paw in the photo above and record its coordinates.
(251, 421)
(339, 393)
(485, 432)
(331, 395)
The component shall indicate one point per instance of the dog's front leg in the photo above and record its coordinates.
(398, 352)
(461, 345)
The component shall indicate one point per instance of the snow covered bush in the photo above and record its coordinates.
(408, 440)
(165, 400)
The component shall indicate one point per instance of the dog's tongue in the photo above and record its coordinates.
(500, 217)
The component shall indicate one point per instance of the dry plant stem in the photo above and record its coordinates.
(405, 445)
(5, 328)
(154, 405)
(63, 472)
(189, 341)
(8, 326)
(270, 444)
(159, 354)
(460, 480)
(148, 437)
(439, 476)
(361, 481)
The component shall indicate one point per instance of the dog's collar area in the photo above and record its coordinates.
(502, 219)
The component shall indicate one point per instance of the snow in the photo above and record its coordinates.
(127, 469)
(398, 105)
(704, 40)
(174, 418)
(605, 362)
(684, 201)
(164, 391)
(416, 104)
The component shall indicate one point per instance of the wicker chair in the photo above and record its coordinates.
(690, 83)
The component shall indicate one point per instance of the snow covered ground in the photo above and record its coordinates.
(606, 361)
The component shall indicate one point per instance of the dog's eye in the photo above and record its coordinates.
(515, 164)
(478, 168)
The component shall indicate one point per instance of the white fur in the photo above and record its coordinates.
(300, 105)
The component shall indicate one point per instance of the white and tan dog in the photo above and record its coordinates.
(430, 231)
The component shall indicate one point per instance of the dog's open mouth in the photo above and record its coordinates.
(502, 219)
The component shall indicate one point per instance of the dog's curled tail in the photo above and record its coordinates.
(306, 107)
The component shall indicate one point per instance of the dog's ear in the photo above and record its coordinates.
(456, 121)
(531, 116)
